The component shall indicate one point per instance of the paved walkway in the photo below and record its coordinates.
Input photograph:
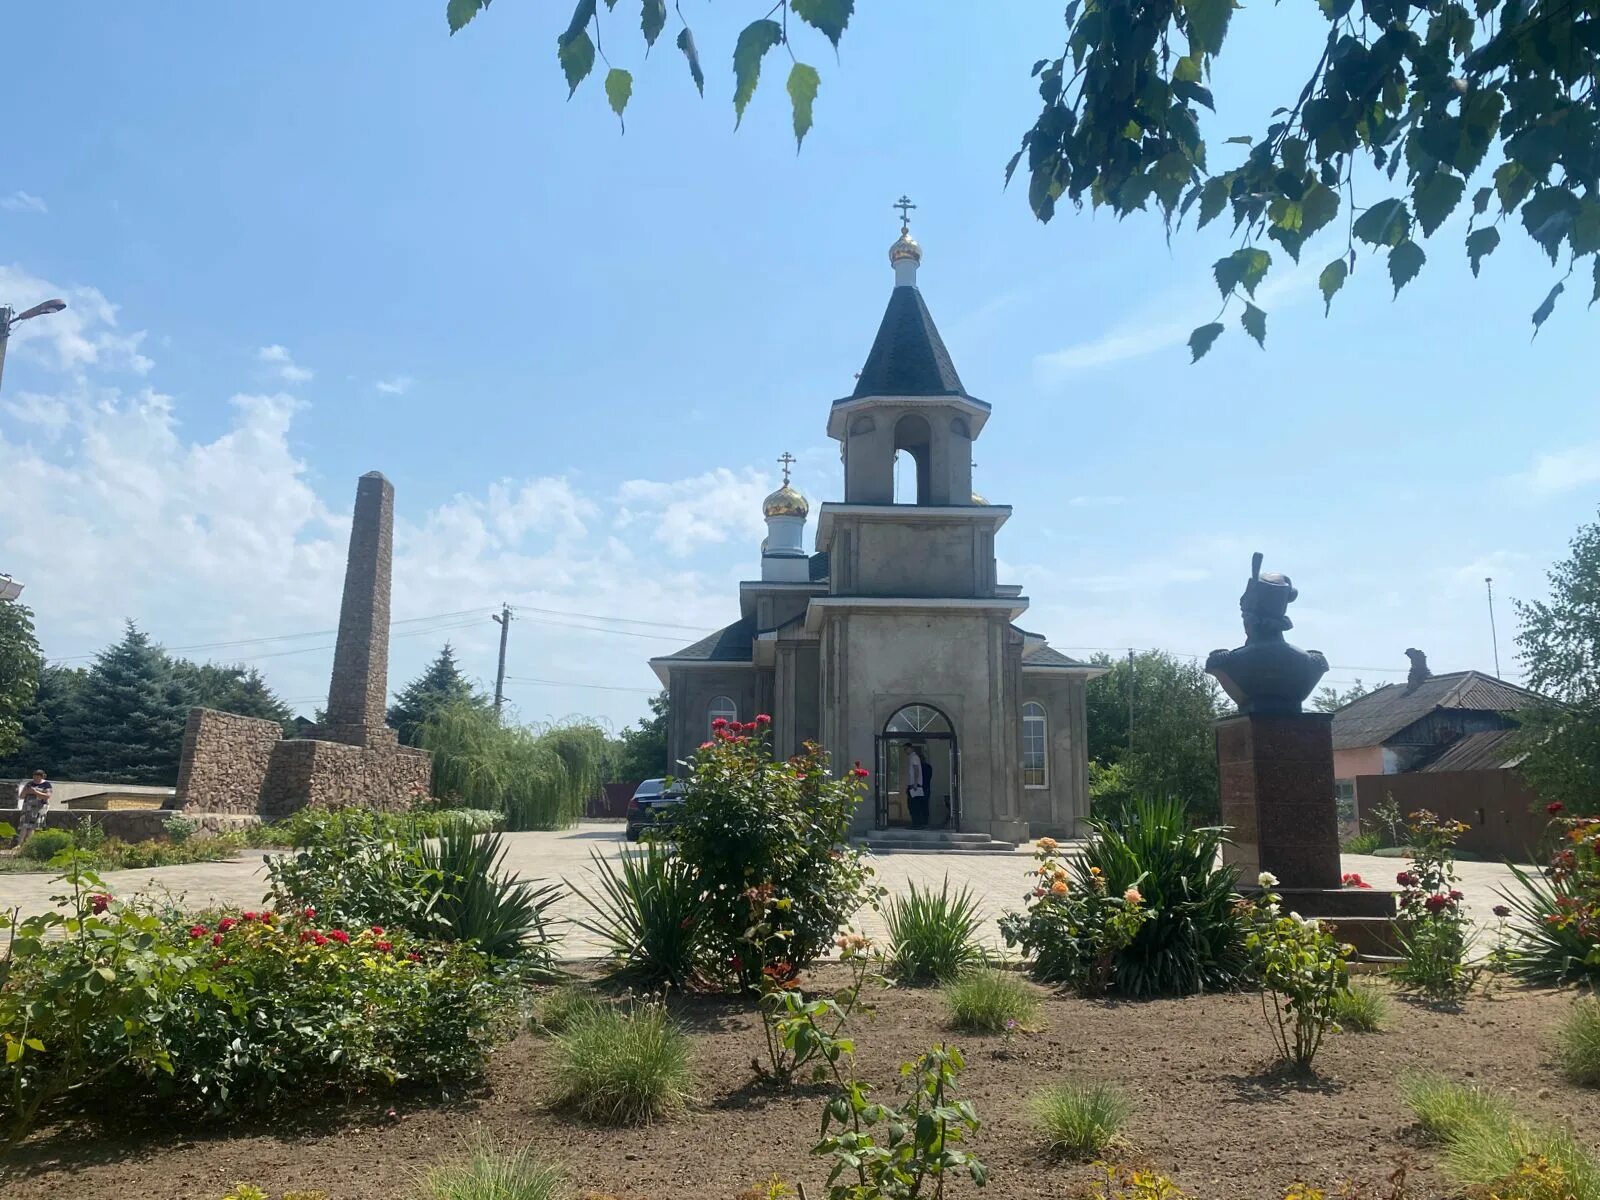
(997, 880)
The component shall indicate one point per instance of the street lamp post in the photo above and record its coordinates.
(10, 318)
(10, 589)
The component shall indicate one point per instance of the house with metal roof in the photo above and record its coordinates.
(892, 643)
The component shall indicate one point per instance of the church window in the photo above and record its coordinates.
(1035, 759)
(722, 709)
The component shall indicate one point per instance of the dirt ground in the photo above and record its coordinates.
(1209, 1109)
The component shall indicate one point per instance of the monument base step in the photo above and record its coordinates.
(934, 841)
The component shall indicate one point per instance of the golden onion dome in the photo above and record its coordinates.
(785, 502)
(977, 499)
(905, 246)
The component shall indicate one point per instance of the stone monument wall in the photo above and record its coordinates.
(318, 774)
(224, 763)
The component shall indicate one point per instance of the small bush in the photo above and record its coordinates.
(1301, 966)
(988, 1000)
(1434, 931)
(559, 1009)
(933, 936)
(490, 1173)
(179, 828)
(1360, 1008)
(1080, 1119)
(46, 844)
(623, 1066)
(1578, 1043)
(1364, 842)
(1446, 1109)
(648, 911)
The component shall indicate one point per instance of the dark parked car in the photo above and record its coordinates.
(653, 803)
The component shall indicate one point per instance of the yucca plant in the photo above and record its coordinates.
(647, 909)
(1545, 950)
(1079, 1119)
(479, 902)
(1192, 941)
(488, 1172)
(933, 936)
(622, 1066)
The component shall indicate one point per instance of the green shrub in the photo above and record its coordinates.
(1578, 1042)
(487, 1172)
(1556, 932)
(45, 844)
(478, 902)
(933, 936)
(1360, 1008)
(1301, 967)
(1446, 1109)
(179, 828)
(769, 844)
(649, 912)
(1364, 842)
(560, 1008)
(1079, 1119)
(1192, 942)
(622, 1066)
(989, 1000)
(1433, 928)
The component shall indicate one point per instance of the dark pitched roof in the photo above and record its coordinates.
(732, 643)
(1487, 751)
(1379, 715)
(1045, 656)
(908, 357)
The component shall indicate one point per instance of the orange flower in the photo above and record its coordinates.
(1058, 888)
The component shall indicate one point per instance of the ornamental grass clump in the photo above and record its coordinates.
(489, 1172)
(1445, 1108)
(991, 1000)
(933, 936)
(1079, 1119)
(1578, 1043)
(623, 1066)
(1360, 1008)
(560, 1008)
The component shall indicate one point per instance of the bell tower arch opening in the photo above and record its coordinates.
(913, 436)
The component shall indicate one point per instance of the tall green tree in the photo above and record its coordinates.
(20, 663)
(1171, 749)
(1410, 110)
(1331, 699)
(43, 741)
(1559, 643)
(231, 688)
(127, 724)
(641, 749)
(438, 687)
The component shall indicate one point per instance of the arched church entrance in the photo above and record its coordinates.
(919, 770)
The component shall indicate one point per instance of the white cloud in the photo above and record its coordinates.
(279, 358)
(397, 385)
(1151, 332)
(20, 201)
(84, 335)
(689, 513)
(1559, 471)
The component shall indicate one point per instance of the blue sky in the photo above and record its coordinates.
(305, 241)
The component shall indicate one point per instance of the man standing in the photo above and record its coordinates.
(33, 798)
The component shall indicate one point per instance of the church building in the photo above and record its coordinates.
(893, 644)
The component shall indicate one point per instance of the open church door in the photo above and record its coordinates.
(880, 782)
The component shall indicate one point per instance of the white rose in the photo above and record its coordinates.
(1267, 879)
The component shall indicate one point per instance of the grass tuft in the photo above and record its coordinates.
(561, 1008)
(933, 936)
(1080, 1119)
(1360, 1008)
(622, 1066)
(1446, 1109)
(990, 1000)
(1578, 1043)
(489, 1173)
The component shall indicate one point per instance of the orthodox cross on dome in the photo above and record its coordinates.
(905, 206)
(787, 460)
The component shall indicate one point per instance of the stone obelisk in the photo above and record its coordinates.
(358, 691)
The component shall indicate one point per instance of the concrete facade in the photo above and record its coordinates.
(899, 632)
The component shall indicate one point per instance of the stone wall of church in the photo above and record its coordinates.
(1060, 808)
(902, 557)
(692, 691)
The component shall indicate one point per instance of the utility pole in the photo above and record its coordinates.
(1130, 699)
(502, 619)
(1488, 585)
(10, 318)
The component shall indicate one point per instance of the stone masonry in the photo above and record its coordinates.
(243, 765)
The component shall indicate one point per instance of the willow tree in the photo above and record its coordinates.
(1409, 110)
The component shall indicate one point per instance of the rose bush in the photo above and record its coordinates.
(1302, 969)
(1434, 930)
(1556, 936)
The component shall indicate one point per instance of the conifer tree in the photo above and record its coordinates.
(128, 724)
(440, 685)
(232, 689)
(19, 671)
(41, 744)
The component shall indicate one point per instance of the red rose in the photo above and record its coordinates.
(719, 723)
(1554, 807)
(226, 924)
(310, 913)
(1406, 879)
(216, 939)
(383, 947)
(414, 956)
(736, 963)
(763, 719)
(339, 936)
(319, 939)
(1437, 902)
(1502, 911)
(705, 745)
(197, 931)
(377, 931)
(305, 936)
(99, 902)
(1455, 896)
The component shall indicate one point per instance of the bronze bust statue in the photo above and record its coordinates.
(1267, 676)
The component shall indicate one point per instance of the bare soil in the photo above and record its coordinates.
(1211, 1109)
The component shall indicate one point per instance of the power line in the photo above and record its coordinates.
(556, 612)
(602, 687)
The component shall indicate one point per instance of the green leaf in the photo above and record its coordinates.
(1244, 266)
(1596, 295)
(1549, 217)
(830, 16)
(686, 44)
(1435, 198)
(1330, 281)
(458, 12)
(1319, 206)
(1585, 236)
(1213, 199)
(1481, 242)
(1542, 313)
(1240, 139)
(1386, 223)
(1200, 340)
(1207, 23)
(1405, 260)
(1480, 200)
(576, 52)
(619, 87)
(652, 20)
(755, 39)
(803, 84)
(7, 831)
(33, 1043)
(1255, 324)
(1512, 183)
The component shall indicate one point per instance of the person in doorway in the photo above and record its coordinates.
(917, 786)
(33, 798)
